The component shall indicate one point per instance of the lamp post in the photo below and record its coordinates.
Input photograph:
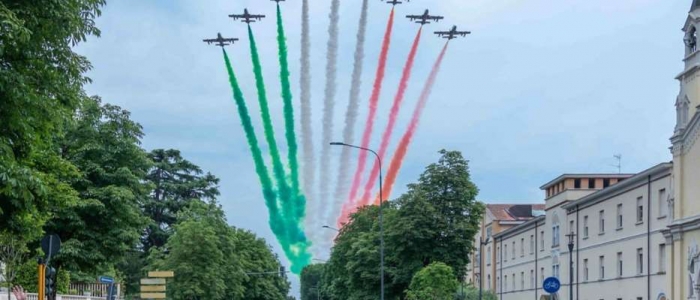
(381, 214)
(571, 264)
(482, 243)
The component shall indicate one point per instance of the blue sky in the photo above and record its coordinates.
(540, 88)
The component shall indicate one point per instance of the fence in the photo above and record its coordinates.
(96, 289)
(66, 297)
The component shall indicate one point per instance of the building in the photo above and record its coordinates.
(632, 236)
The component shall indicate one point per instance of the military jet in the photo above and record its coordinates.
(425, 18)
(220, 41)
(452, 34)
(394, 2)
(278, 1)
(247, 17)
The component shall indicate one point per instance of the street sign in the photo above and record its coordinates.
(106, 279)
(51, 244)
(161, 274)
(152, 281)
(152, 288)
(551, 285)
(152, 295)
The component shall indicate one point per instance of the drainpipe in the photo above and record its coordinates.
(649, 237)
(536, 251)
(500, 285)
(578, 246)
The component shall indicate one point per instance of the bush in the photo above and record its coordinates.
(437, 281)
(471, 292)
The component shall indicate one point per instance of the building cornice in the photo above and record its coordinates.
(520, 228)
(656, 172)
(685, 139)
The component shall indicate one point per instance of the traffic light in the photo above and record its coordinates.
(50, 284)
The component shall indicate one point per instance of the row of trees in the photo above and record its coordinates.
(429, 232)
(73, 165)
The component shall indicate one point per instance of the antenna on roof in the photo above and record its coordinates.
(618, 157)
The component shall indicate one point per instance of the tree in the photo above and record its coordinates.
(176, 182)
(13, 253)
(103, 142)
(437, 219)
(472, 293)
(311, 280)
(435, 282)
(41, 85)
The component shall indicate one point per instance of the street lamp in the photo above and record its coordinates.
(571, 264)
(381, 214)
(331, 228)
(482, 243)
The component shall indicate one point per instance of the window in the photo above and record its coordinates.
(640, 261)
(541, 240)
(498, 282)
(532, 279)
(522, 280)
(513, 281)
(662, 203)
(488, 256)
(488, 232)
(601, 222)
(619, 216)
(513, 250)
(662, 258)
(640, 210)
(505, 249)
(505, 279)
(571, 226)
(488, 281)
(601, 271)
(591, 183)
(619, 264)
(532, 244)
(555, 236)
(577, 183)
(522, 247)
(498, 255)
(555, 270)
(585, 269)
(585, 227)
(542, 274)
(606, 182)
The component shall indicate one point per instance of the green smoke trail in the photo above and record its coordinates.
(277, 167)
(294, 243)
(276, 223)
(299, 203)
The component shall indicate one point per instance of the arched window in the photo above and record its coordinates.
(555, 230)
(691, 40)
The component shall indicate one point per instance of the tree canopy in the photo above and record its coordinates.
(435, 220)
(435, 282)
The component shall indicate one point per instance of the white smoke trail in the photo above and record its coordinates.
(342, 185)
(309, 168)
(328, 107)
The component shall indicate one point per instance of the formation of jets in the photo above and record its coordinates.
(422, 19)
(425, 18)
(247, 17)
(220, 41)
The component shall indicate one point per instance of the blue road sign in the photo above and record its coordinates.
(106, 279)
(551, 285)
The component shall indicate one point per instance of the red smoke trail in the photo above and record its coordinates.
(376, 90)
(403, 84)
(397, 159)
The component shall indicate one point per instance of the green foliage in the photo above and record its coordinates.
(62, 281)
(176, 183)
(310, 279)
(435, 220)
(470, 292)
(434, 282)
(103, 142)
(41, 81)
(27, 276)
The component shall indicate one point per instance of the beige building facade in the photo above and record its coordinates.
(632, 236)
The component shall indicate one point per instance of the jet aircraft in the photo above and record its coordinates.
(452, 34)
(220, 41)
(394, 2)
(247, 17)
(425, 18)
